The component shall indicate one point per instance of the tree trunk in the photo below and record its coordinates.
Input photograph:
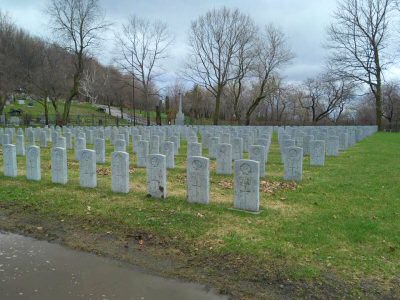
(75, 88)
(53, 102)
(2, 103)
(46, 109)
(252, 108)
(217, 106)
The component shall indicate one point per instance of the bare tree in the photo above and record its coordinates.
(271, 55)
(215, 39)
(78, 24)
(358, 40)
(391, 103)
(7, 60)
(142, 45)
(324, 94)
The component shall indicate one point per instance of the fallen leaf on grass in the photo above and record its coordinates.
(103, 171)
(200, 215)
(226, 184)
(271, 187)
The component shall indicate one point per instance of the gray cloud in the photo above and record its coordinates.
(303, 22)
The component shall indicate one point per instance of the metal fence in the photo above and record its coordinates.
(76, 120)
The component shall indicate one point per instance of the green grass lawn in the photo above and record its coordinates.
(87, 112)
(77, 108)
(343, 219)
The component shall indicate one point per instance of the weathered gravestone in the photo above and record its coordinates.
(10, 160)
(225, 138)
(59, 171)
(135, 142)
(176, 140)
(332, 148)
(293, 164)
(61, 142)
(68, 139)
(317, 153)
(20, 145)
(87, 169)
(43, 139)
(54, 138)
(213, 149)
(247, 185)
(191, 139)
(343, 141)
(156, 176)
(257, 153)
(198, 180)
(120, 172)
(80, 144)
(120, 145)
(100, 148)
(154, 144)
(306, 144)
(142, 153)
(237, 148)
(6, 139)
(33, 171)
(194, 149)
(285, 145)
(168, 151)
(224, 159)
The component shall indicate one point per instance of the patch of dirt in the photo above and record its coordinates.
(266, 186)
(107, 171)
(238, 276)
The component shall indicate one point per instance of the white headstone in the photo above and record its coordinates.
(293, 164)
(224, 159)
(247, 185)
(332, 148)
(257, 153)
(142, 153)
(237, 148)
(168, 151)
(156, 176)
(120, 145)
(198, 180)
(120, 172)
(317, 153)
(87, 169)
(33, 171)
(100, 148)
(154, 144)
(80, 144)
(59, 171)
(20, 145)
(194, 149)
(10, 160)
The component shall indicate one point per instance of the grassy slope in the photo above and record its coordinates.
(342, 219)
(37, 108)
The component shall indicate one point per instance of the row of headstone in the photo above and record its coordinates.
(290, 136)
(246, 180)
(316, 142)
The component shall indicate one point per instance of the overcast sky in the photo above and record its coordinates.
(304, 23)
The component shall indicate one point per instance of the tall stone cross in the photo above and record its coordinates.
(180, 102)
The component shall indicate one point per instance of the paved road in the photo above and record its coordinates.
(116, 112)
(33, 270)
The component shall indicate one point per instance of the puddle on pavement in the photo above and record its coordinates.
(32, 269)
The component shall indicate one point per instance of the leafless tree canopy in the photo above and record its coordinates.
(142, 46)
(325, 94)
(77, 24)
(215, 40)
(358, 40)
